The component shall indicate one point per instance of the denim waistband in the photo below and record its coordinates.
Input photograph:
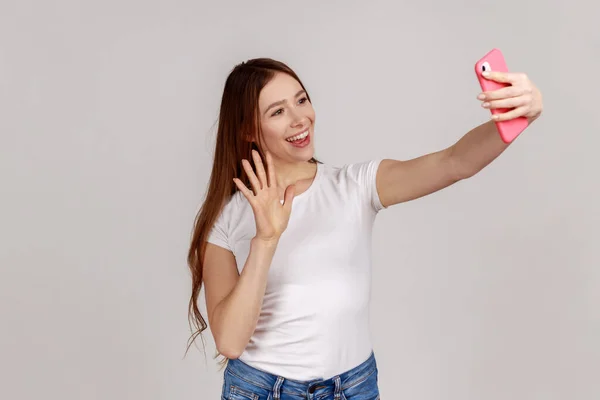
(279, 384)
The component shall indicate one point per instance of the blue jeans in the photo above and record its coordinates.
(243, 382)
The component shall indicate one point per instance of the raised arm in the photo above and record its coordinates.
(399, 181)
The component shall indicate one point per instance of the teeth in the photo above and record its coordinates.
(298, 137)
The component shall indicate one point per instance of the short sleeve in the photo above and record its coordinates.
(365, 174)
(219, 232)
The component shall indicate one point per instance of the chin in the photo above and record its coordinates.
(305, 155)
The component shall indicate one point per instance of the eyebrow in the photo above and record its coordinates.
(301, 91)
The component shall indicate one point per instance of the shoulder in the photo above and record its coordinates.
(361, 172)
(357, 178)
(233, 206)
(222, 231)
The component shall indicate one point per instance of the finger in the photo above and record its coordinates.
(503, 93)
(504, 77)
(512, 102)
(251, 176)
(271, 170)
(288, 198)
(512, 114)
(260, 169)
(245, 191)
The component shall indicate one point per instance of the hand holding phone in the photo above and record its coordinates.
(494, 61)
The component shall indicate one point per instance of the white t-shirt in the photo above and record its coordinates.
(314, 322)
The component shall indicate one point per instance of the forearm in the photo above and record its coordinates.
(237, 314)
(476, 149)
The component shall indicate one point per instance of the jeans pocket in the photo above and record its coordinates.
(236, 388)
(239, 393)
(365, 388)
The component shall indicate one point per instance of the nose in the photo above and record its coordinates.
(297, 119)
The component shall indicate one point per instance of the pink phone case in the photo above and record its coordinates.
(494, 61)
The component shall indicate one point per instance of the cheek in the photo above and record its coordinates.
(310, 113)
(272, 131)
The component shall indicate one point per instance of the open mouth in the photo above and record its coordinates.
(300, 140)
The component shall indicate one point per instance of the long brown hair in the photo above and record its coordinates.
(239, 120)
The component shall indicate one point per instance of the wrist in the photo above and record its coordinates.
(265, 242)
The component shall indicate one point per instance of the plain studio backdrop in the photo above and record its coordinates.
(489, 289)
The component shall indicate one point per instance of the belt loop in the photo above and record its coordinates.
(337, 394)
(276, 388)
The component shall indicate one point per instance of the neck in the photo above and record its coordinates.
(287, 173)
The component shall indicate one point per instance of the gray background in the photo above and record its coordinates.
(487, 290)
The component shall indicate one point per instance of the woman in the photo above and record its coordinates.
(282, 241)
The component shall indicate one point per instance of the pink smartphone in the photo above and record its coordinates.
(494, 61)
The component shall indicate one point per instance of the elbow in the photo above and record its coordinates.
(229, 353)
(465, 174)
(228, 350)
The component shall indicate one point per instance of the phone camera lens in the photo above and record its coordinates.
(485, 67)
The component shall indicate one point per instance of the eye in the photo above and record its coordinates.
(303, 100)
(277, 112)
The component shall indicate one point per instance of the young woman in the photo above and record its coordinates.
(282, 241)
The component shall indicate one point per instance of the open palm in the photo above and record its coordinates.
(270, 215)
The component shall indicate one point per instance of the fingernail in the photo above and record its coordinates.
(481, 96)
(485, 73)
(485, 104)
(494, 117)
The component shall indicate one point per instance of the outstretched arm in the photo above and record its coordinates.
(399, 181)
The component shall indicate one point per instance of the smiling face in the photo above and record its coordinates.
(286, 114)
